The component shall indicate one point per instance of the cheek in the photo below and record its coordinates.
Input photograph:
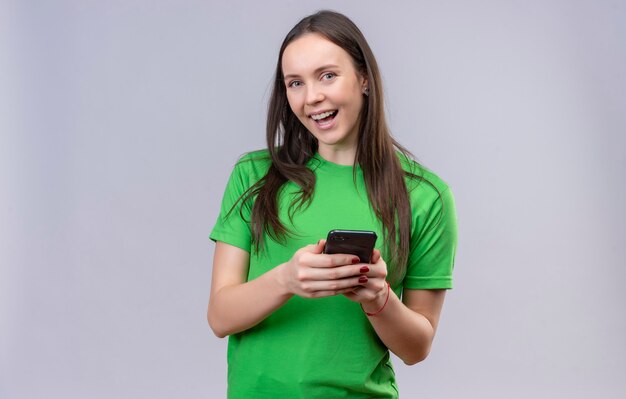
(294, 103)
(353, 104)
(350, 98)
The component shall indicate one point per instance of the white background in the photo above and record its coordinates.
(120, 122)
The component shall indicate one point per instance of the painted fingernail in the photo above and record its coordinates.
(355, 261)
(364, 269)
(363, 279)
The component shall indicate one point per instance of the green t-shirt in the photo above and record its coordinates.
(326, 347)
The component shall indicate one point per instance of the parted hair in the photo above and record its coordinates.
(291, 146)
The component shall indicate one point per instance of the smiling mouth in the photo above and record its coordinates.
(324, 117)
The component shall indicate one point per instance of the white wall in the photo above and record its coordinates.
(120, 121)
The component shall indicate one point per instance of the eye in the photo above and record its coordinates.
(328, 75)
(295, 83)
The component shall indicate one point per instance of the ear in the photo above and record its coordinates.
(364, 83)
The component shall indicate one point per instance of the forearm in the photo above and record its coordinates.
(238, 307)
(406, 333)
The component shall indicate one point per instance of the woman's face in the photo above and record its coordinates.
(324, 91)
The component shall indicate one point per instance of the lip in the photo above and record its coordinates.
(324, 125)
(321, 112)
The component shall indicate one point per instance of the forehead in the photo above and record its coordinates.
(310, 51)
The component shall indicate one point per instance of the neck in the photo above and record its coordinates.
(340, 156)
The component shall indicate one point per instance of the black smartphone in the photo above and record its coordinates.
(354, 242)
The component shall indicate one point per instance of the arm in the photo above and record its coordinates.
(236, 305)
(406, 327)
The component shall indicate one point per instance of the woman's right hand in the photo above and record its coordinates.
(313, 274)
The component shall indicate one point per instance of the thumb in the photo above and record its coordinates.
(315, 248)
(319, 247)
(375, 256)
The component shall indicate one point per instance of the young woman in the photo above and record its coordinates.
(301, 323)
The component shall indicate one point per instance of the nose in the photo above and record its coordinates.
(313, 94)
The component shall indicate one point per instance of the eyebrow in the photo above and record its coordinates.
(318, 70)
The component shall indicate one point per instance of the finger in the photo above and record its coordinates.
(345, 284)
(353, 294)
(350, 295)
(317, 248)
(338, 292)
(361, 294)
(345, 291)
(374, 288)
(322, 294)
(338, 272)
(375, 256)
(334, 260)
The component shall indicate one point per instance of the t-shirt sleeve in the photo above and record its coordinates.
(433, 245)
(232, 225)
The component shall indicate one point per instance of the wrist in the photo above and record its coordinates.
(377, 304)
(280, 280)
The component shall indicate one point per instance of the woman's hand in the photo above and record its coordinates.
(373, 293)
(312, 274)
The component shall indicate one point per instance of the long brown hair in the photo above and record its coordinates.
(291, 146)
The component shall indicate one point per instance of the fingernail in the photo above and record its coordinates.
(365, 269)
(355, 261)
(363, 279)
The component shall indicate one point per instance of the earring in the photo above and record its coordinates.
(366, 92)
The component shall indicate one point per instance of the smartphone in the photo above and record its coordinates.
(354, 242)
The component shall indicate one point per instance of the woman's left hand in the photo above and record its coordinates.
(372, 294)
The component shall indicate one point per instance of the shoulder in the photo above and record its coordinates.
(253, 165)
(419, 176)
(257, 158)
(423, 185)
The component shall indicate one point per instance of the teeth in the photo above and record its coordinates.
(322, 115)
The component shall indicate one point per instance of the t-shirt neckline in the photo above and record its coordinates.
(323, 164)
